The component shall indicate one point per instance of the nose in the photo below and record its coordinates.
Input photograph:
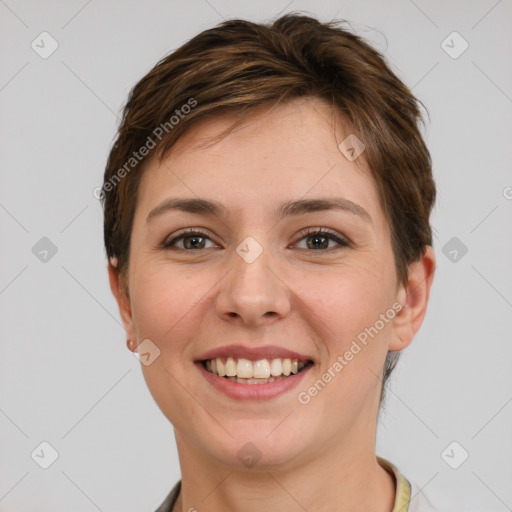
(253, 293)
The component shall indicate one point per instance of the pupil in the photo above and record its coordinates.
(317, 237)
(188, 241)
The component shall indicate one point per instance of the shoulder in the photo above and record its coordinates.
(419, 501)
(170, 500)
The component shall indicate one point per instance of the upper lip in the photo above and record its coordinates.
(253, 353)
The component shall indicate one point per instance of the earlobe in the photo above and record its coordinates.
(122, 300)
(413, 296)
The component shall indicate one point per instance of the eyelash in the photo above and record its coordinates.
(327, 233)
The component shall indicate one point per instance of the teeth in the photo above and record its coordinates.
(255, 381)
(253, 372)
(230, 367)
(261, 369)
(287, 366)
(244, 369)
(276, 368)
(221, 370)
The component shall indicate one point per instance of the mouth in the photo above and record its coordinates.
(247, 373)
(261, 371)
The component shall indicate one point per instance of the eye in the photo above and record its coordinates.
(320, 238)
(193, 239)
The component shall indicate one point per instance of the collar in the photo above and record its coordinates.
(403, 486)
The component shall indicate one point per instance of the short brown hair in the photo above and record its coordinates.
(238, 66)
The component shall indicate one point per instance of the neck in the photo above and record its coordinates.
(346, 475)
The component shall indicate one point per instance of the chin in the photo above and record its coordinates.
(255, 450)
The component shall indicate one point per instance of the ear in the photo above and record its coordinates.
(413, 296)
(123, 301)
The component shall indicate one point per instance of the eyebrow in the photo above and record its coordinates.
(290, 208)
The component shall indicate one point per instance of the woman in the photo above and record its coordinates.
(267, 208)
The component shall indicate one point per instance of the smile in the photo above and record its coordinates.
(288, 375)
(262, 371)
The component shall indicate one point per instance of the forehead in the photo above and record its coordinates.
(284, 152)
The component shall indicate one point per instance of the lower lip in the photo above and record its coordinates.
(253, 391)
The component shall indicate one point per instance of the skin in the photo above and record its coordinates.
(294, 295)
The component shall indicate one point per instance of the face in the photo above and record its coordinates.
(255, 275)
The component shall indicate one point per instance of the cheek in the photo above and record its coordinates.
(348, 299)
(347, 309)
(350, 303)
(161, 303)
(163, 311)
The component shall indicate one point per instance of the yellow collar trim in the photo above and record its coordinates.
(403, 487)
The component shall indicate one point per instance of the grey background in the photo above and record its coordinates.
(66, 376)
